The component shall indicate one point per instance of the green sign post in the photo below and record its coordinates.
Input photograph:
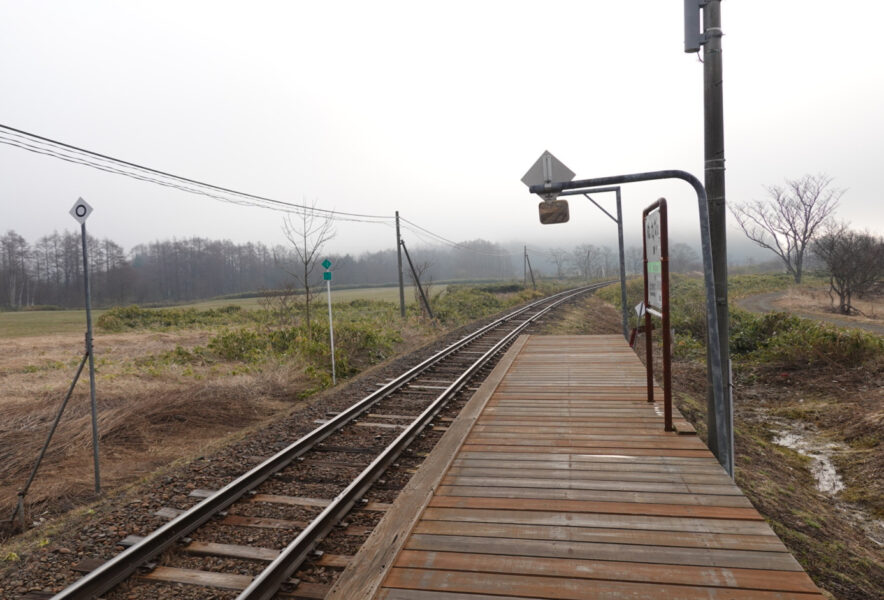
(327, 277)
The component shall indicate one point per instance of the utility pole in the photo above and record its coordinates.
(715, 185)
(525, 266)
(399, 258)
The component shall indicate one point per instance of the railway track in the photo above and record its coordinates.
(318, 499)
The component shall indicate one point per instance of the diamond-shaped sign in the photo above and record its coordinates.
(547, 169)
(81, 210)
(326, 264)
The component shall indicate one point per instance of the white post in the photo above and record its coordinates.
(331, 330)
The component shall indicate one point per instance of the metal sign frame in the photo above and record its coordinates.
(658, 208)
(721, 417)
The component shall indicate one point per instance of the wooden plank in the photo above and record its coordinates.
(606, 451)
(227, 581)
(622, 508)
(621, 485)
(561, 588)
(589, 519)
(261, 522)
(553, 472)
(363, 577)
(231, 581)
(671, 555)
(620, 497)
(764, 543)
(231, 551)
(580, 464)
(708, 462)
(317, 502)
(785, 581)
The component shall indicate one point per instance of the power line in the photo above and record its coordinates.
(74, 154)
(460, 246)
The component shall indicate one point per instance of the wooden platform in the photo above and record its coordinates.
(558, 482)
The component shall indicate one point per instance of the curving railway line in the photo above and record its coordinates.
(319, 497)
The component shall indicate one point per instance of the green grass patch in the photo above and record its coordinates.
(126, 318)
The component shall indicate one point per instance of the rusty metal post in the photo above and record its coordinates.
(660, 205)
(667, 331)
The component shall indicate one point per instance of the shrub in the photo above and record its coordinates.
(463, 303)
(121, 318)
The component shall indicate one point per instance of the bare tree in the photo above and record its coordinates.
(559, 256)
(683, 258)
(634, 259)
(789, 219)
(586, 257)
(855, 262)
(308, 232)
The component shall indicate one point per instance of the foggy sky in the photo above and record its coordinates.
(435, 110)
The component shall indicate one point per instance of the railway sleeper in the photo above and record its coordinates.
(241, 551)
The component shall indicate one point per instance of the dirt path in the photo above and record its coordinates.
(767, 302)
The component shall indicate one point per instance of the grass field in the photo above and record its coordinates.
(50, 322)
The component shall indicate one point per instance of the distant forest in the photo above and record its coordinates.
(49, 272)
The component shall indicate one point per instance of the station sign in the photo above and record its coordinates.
(654, 253)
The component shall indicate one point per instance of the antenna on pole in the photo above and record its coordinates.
(693, 37)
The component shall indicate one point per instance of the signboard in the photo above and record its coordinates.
(547, 169)
(655, 271)
(326, 276)
(554, 211)
(81, 210)
(326, 264)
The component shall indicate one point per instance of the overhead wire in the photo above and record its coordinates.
(73, 154)
(56, 149)
(414, 228)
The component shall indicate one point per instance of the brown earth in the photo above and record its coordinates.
(151, 412)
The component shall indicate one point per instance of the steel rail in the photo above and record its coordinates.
(267, 584)
(124, 564)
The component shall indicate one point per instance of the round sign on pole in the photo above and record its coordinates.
(81, 210)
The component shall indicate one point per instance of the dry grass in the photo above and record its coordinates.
(149, 416)
(152, 411)
(816, 301)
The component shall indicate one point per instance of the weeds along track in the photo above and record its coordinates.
(317, 499)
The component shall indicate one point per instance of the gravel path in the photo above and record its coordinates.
(766, 303)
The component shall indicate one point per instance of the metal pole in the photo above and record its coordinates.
(625, 310)
(619, 221)
(665, 325)
(331, 331)
(417, 280)
(20, 506)
(525, 266)
(715, 188)
(91, 361)
(530, 270)
(399, 259)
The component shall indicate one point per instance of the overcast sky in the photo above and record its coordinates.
(432, 109)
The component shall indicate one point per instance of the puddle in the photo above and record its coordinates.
(820, 453)
(806, 441)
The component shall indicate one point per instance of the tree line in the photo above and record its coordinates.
(49, 271)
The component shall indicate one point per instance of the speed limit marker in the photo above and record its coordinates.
(81, 210)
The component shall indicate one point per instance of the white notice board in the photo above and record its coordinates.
(655, 272)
